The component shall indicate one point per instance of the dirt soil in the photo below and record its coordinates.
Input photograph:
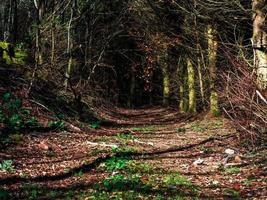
(170, 142)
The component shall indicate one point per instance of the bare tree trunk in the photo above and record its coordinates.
(69, 48)
(199, 63)
(38, 54)
(53, 39)
(259, 41)
(15, 22)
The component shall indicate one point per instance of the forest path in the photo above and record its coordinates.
(140, 154)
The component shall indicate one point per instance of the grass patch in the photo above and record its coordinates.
(217, 124)
(124, 183)
(124, 150)
(181, 130)
(175, 180)
(7, 166)
(198, 127)
(231, 193)
(114, 164)
(137, 167)
(232, 170)
(145, 129)
(206, 150)
(125, 136)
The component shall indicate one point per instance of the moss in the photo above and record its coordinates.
(214, 108)
(20, 55)
(166, 85)
(191, 87)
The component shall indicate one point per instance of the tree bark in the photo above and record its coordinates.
(212, 59)
(183, 104)
(166, 84)
(259, 41)
(191, 87)
(69, 51)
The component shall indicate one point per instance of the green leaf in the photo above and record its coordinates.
(6, 97)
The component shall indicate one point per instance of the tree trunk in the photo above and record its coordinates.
(69, 49)
(212, 59)
(183, 105)
(259, 42)
(199, 60)
(166, 84)
(38, 54)
(15, 22)
(132, 90)
(191, 87)
(53, 39)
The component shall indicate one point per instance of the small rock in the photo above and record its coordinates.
(229, 152)
(199, 161)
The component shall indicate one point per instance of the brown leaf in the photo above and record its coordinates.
(42, 145)
(238, 159)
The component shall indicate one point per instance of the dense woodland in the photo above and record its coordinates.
(100, 99)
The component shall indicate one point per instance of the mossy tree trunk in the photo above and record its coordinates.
(212, 59)
(166, 84)
(259, 41)
(191, 87)
(183, 87)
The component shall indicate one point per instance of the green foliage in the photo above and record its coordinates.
(136, 167)
(206, 150)
(16, 138)
(95, 125)
(145, 129)
(56, 124)
(50, 153)
(78, 174)
(4, 195)
(124, 150)
(115, 164)
(125, 136)
(198, 127)
(231, 192)
(7, 166)
(232, 170)
(121, 183)
(13, 115)
(181, 130)
(20, 54)
(34, 193)
(70, 195)
(217, 124)
(53, 194)
(176, 179)
(118, 195)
